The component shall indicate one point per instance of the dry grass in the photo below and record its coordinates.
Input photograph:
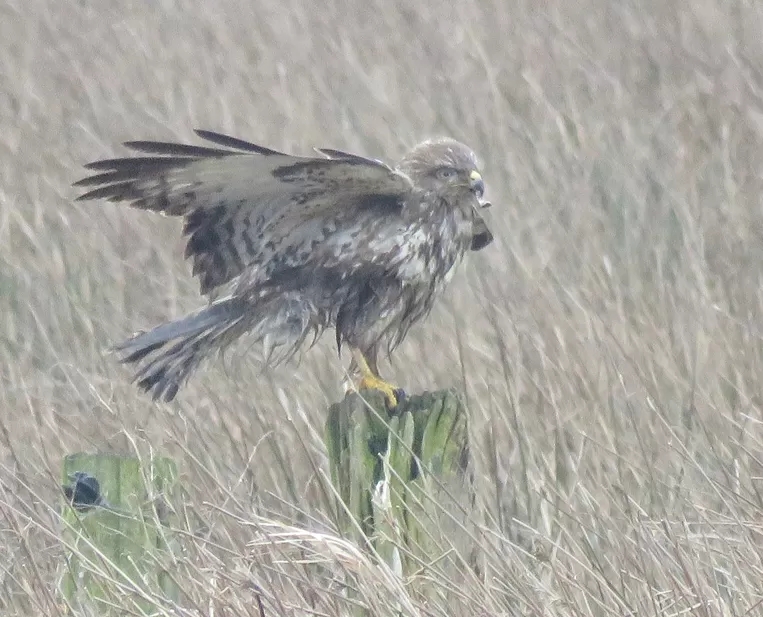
(609, 341)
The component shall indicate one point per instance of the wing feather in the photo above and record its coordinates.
(234, 142)
(248, 209)
(140, 163)
(330, 153)
(172, 149)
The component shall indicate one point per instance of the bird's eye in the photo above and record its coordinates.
(445, 173)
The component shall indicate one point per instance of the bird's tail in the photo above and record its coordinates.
(171, 352)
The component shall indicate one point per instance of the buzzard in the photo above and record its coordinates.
(287, 246)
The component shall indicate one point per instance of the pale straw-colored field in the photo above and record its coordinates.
(609, 341)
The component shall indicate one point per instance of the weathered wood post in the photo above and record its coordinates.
(116, 534)
(401, 475)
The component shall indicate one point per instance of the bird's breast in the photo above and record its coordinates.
(435, 246)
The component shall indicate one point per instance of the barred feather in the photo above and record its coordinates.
(168, 354)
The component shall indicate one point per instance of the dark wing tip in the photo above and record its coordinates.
(173, 149)
(139, 164)
(108, 177)
(235, 142)
(119, 191)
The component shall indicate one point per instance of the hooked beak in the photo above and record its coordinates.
(477, 184)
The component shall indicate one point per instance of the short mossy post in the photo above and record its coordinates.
(116, 534)
(402, 475)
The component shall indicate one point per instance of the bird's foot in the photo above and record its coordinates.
(364, 377)
(392, 393)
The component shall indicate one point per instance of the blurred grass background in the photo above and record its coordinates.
(609, 341)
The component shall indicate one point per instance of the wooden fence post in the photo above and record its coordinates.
(116, 534)
(402, 474)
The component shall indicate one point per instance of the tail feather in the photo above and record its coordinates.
(143, 343)
(168, 354)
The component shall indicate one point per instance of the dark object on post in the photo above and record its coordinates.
(116, 534)
(402, 475)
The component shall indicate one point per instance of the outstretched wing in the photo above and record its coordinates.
(242, 202)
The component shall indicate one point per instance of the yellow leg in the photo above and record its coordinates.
(368, 380)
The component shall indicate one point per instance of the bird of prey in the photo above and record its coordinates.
(286, 246)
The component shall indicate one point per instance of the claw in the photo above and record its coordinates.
(391, 393)
(369, 380)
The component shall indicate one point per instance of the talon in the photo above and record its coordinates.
(368, 380)
(372, 382)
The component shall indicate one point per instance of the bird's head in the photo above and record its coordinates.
(447, 168)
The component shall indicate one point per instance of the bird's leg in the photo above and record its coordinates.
(368, 378)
